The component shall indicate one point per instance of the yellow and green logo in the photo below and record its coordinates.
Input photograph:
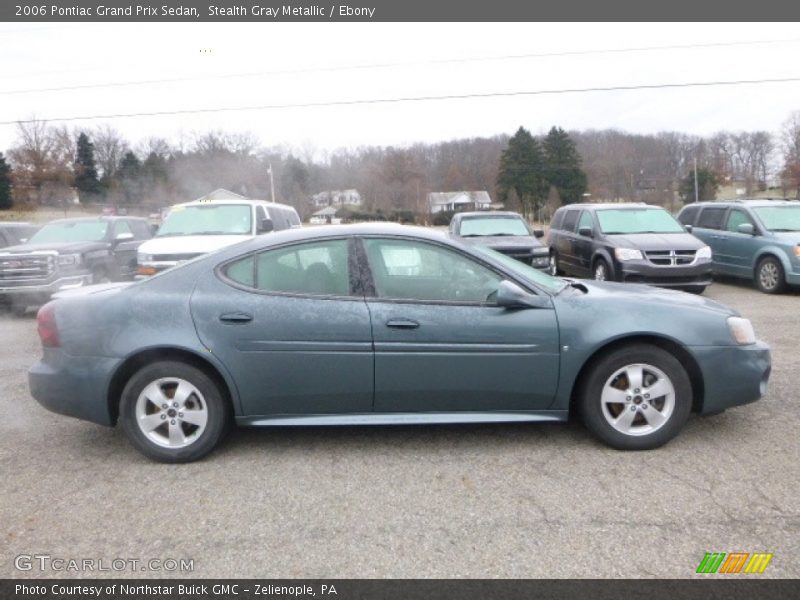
(734, 562)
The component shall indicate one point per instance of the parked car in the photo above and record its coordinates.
(506, 232)
(70, 253)
(634, 243)
(754, 239)
(13, 233)
(386, 324)
(194, 228)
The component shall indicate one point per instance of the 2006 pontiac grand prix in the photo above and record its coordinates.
(386, 324)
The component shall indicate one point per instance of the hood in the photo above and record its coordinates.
(657, 241)
(504, 241)
(91, 289)
(640, 293)
(190, 244)
(60, 247)
(787, 237)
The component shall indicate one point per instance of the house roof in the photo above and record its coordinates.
(463, 197)
(221, 194)
(328, 211)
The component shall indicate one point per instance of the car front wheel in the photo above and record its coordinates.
(769, 276)
(553, 268)
(636, 398)
(600, 271)
(173, 412)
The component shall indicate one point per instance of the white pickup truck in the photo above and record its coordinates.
(194, 228)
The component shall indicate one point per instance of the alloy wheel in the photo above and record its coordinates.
(638, 399)
(768, 275)
(600, 271)
(171, 412)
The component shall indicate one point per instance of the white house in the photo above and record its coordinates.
(220, 194)
(337, 198)
(325, 216)
(451, 201)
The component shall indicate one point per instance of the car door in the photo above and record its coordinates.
(709, 229)
(739, 248)
(582, 245)
(441, 345)
(291, 326)
(566, 255)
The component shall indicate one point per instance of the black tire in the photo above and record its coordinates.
(217, 409)
(100, 275)
(770, 277)
(553, 268)
(695, 289)
(600, 265)
(590, 406)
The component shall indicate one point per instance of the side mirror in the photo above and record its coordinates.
(585, 231)
(688, 228)
(265, 225)
(510, 295)
(746, 228)
(539, 233)
(125, 236)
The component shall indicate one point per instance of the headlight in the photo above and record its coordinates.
(742, 330)
(797, 251)
(628, 254)
(68, 259)
(140, 258)
(704, 252)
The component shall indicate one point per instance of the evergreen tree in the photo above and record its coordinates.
(86, 180)
(5, 184)
(129, 176)
(563, 166)
(522, 171)
(707, 185)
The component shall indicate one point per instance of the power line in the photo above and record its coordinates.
(618, 88)
(369, 66)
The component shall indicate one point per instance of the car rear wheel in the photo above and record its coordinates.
(173, 412)
(636, 398)
(600, 271)
(769, 276)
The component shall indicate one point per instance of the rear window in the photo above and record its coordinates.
(688, 215)
(711, 218)
(558, 219)
(570, 220)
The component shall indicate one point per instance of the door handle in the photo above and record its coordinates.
(236, 317)
(402, 324)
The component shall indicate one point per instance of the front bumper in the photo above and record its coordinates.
(73, 385)
(36, 291)
(679, 276)
(538, 260)
(732, 375)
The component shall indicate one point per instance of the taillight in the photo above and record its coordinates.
(46, 320)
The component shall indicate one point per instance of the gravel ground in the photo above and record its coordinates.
(439, 501)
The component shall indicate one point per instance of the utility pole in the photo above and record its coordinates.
(271, 183)
(696, 191)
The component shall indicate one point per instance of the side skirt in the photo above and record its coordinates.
(404, 418)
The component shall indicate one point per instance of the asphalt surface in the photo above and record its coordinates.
(456, 501)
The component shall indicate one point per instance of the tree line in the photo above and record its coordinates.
(51, 165)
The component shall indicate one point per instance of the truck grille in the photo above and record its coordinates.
(22, 267)
(670, 258)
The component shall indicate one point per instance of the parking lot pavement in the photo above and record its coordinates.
(456, 501)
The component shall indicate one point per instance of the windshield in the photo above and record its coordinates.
(474, 227)
(779, 218)
(538, 277)
(70, 231)
(637, 220)
(207, 219)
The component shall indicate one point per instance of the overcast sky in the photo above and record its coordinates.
(299, 63)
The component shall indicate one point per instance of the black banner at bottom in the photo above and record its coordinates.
(390, 589)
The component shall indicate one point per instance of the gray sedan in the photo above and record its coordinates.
(385, 324)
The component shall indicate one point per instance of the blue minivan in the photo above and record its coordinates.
(752, 239)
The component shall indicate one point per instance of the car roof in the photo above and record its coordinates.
(745, 202)
(488, 213)
(607, 205)
(110, 218)
(247, 201)
(16, 224)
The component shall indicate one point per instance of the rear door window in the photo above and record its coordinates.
(570, 220)
(558, 219)
(688, 215)
(711, 218)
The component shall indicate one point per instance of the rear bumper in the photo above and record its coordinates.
(732, 375)
(73, 385)
(682, 276)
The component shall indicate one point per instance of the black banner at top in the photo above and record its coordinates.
(154, 11)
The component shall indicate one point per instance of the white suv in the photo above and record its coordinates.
(194, 228)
